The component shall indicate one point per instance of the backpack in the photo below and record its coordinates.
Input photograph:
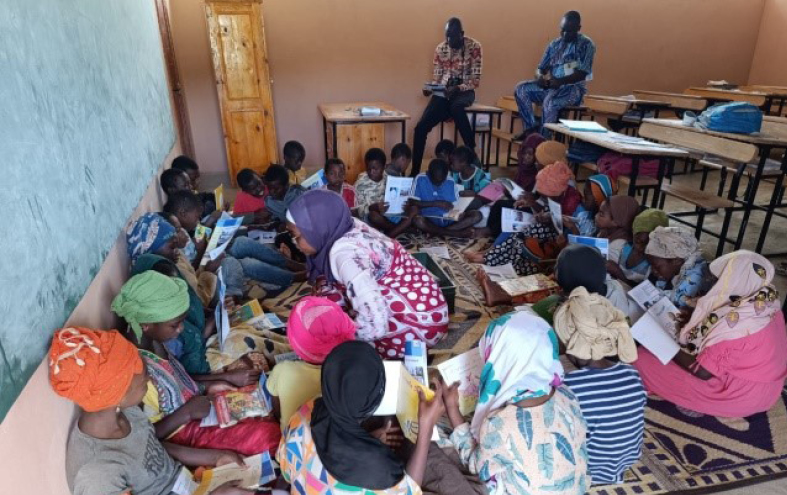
(737, 117)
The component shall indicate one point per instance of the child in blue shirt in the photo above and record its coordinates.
(436, 195)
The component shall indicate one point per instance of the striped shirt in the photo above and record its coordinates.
(613, 404)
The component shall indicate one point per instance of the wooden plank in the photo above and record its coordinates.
(508, 103)
(616, 108)
(642, 181)
(478, 107)
(775, 126)
(696, 139)
(757, 99)
(348, 112)
(696, 197)
(675, 100)
(770, 90)
(354, 141)
(760, 138)
(504, 136)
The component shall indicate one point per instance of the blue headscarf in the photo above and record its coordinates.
(147, 235)
(605, 186)
(323, 217)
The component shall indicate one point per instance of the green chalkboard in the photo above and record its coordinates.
(85, 121)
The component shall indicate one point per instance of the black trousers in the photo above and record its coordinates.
(438, 110)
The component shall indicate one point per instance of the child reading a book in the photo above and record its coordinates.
(251, 197)
(316, 325)
(436, 195)
(445, 150)
(611, 395)
(112, 447)
(294, 155)
(190, 167)
(401, 156)
(325, 445)
(632, 266)
(470, 178)
(598, 189)
(335, 172)
(370, 186)
(211, 211)
(280, 191)
(614, 220)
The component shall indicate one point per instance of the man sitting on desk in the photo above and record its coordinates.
(562, 74)
(457, 66)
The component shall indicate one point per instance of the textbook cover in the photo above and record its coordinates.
(401, 398)
(246, 312)
(220, 238)
(233, 406)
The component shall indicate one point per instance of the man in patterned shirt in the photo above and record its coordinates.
(457, 66)
(562, 74)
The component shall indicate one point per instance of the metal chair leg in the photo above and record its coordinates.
(725, 226)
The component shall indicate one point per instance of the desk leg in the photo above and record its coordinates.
(662, 172)
(325, 136)
(751, 195)
(768, 104)
(772, 205)
(633, 179)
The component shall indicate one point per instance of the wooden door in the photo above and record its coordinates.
(240, 63)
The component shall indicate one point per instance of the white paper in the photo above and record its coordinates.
(415, 360)
(500, 272)
(597, 242)
(388, 406)
(437, 252)
(185, 484)
(397, 191)
(220, 238)
(557, 215)
(315, 181)
(583, 125)
(512, 187)
(466, 370)
(221, 315)
(211, 419)
(649, 332)
(460, 205)
(263, 236)
(515, 220)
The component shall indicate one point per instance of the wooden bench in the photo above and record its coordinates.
(508, 104)
(473, 111)
(725, 149)
(675, 100)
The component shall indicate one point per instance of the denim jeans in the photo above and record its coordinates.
(258, 262)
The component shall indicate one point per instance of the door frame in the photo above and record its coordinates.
(182, 121)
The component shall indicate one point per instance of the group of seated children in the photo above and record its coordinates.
(537, 428)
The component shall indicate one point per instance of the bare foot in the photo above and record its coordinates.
(475, 257)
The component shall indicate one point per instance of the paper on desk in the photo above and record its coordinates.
(500, 272)
(583, 125)
(649, 332)
(515, 220)
(437, 252)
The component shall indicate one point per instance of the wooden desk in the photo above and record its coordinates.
(675, 100)
(775, 94)
(627, 145)
(772, 138)
(473, 111)
(348, 135)
(717, 95)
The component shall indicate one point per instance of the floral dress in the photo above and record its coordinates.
(536, 450)
(396, 297)
(302, 468)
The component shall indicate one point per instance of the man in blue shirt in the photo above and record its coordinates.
(562, 74)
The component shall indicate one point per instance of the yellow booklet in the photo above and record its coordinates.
(401, 398)
(259, 470)
(218, 194)
(250, 310)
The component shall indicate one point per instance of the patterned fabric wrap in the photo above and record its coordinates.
(147, 235)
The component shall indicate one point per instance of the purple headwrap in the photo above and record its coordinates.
(322, 217)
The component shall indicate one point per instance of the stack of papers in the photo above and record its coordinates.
(583, 125)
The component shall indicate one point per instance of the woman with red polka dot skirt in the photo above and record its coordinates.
(393, 297)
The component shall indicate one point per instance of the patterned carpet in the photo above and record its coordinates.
(684, 451)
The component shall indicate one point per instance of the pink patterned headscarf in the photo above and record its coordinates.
(316, 326)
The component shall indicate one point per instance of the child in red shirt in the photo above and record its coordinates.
(251, 197)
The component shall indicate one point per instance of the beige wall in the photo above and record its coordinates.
(351, 50)
(769, 64)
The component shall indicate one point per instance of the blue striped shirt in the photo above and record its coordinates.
(613, 404)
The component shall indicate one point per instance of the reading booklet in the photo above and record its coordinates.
(225, 230)
(246, 312)
(527, 284)
(597, 242)
(583, 125)
(397, 191)
(460, 205)
(465, 369)
(515, 220)
(512, 187)
(259, 470)
(266, 321)
(500, 272)
(415, 360)
(557, 215)
(401, 398)
(221, 315)
(436, 89)
(218, 194)
(315, 181)
(656, 328)
(233, 406)
(437, 252)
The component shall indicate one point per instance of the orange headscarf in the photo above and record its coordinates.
(93, 368)
(553, 179)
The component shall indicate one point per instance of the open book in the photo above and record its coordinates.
(259, 470)
(521, 286)
(315, 181)
(464, 369)
(655, 329)
(515, 220)
(460, 205)
(225, 230)
(597, 242)
(401, 398)
(397, 191)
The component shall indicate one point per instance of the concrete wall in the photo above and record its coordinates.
(353, 50)
(769, 64)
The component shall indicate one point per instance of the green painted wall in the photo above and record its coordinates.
(85, 122)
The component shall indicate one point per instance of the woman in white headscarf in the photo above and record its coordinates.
(675, 259)
(733, 360)
(527, 434)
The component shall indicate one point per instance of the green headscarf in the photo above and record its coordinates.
(648, 220)
(192, 352)
(151, 297)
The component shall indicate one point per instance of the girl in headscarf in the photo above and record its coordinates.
(614, 219)
(733, 358)
(540, 240)
(598, 188)
(676, 261)
(155, 306)
(527, 434)
(112, 447)
(580, 265)
(326, 448)
(395, 298)
(316, 325)
(632, 267)
(610, 391)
